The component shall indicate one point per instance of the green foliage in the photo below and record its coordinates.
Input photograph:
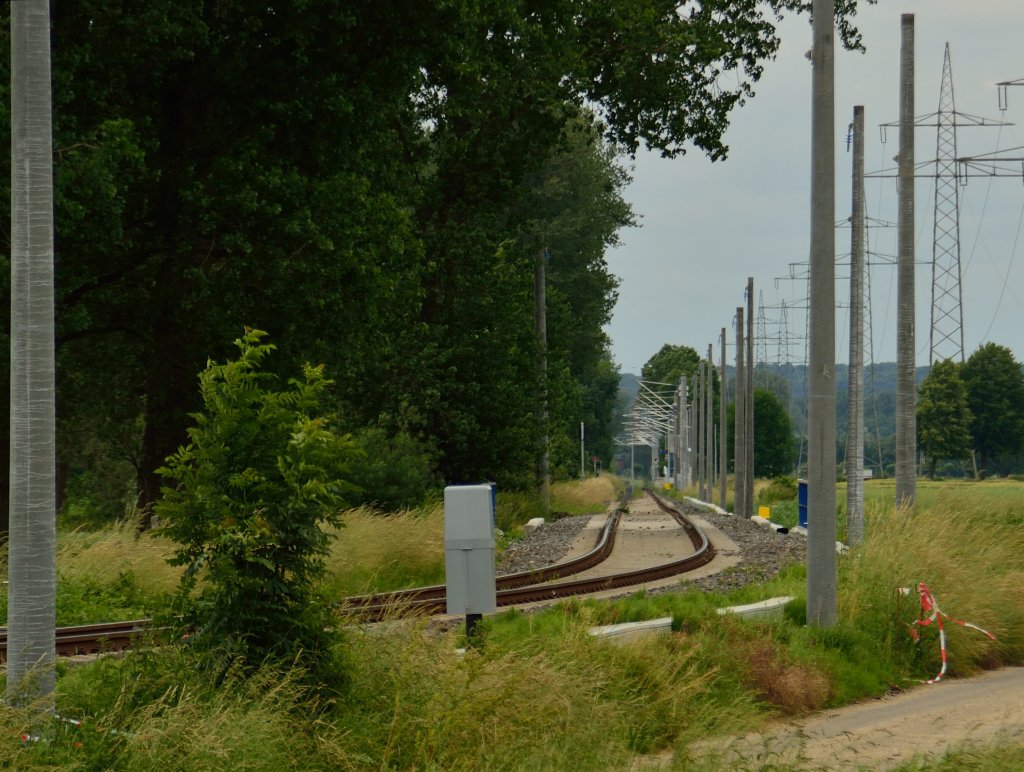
(773, 436)
(392, 472)
(780, 489)
(774, 443)
(383, 214)
(669, 363)
(261, 473)
(786, 513)
(943, 416)
(995, 396)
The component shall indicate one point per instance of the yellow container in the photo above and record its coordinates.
(764, 512)
(668, 486)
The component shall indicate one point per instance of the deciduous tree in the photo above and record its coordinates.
(995, 396)
(943, 416)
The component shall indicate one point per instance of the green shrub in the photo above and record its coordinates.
(780, 489)
(393, 472)
(261, 473)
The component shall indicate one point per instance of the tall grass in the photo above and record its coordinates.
(590, 496)
(972, 559)
(377, 552)
(540, 693)
(109, 574)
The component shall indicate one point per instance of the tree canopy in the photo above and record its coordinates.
(670, 363)
(774, 441)
(995, 396)
(373, 193)
(943, 416)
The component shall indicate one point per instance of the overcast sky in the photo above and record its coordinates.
(705, 227)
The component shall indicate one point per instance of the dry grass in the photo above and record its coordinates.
(387, 551)
(792, 687)
(102, 557)
(591, 495)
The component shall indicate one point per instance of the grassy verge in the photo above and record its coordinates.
(540, 693)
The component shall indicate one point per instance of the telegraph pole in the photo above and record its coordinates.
(821, 409)
(906, 420)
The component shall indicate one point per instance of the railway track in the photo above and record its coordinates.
(92, 639)
(512, 589)
(538, 586)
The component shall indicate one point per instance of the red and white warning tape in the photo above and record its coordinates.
(930, 612)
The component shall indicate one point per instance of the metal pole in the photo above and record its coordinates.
(906, 420)
(740, 424)
(855, 414)
(821, 413)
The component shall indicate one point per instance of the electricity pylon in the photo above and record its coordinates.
(946, 337)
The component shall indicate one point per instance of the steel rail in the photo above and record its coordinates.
(515, 589)
(602, 549)
(91, 639)
(704, 552)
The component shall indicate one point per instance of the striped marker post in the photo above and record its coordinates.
(930, 612)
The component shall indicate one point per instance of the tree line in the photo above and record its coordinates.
(970, 415)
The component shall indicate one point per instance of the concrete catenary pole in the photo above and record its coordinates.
(699, 425)
(855, 414)
(723, 456)
(677, 426)
(709, 425)
(748, 438)
(821, 405)
(583, 465)
(684, 432)
(541, 317)
(906, 420)
(740, 424)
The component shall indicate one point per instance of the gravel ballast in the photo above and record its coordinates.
(763, 551)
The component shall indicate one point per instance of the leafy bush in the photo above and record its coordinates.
(780, 489)
(393, 472)
(261, 473)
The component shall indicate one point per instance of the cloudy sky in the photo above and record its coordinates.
(706, 227)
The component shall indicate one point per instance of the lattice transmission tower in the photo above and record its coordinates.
(946, 336)
(947, 323)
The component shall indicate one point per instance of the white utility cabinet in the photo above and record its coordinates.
(469, 549)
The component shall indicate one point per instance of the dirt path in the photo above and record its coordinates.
(882, 734)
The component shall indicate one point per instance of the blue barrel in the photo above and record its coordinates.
(801, 498)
